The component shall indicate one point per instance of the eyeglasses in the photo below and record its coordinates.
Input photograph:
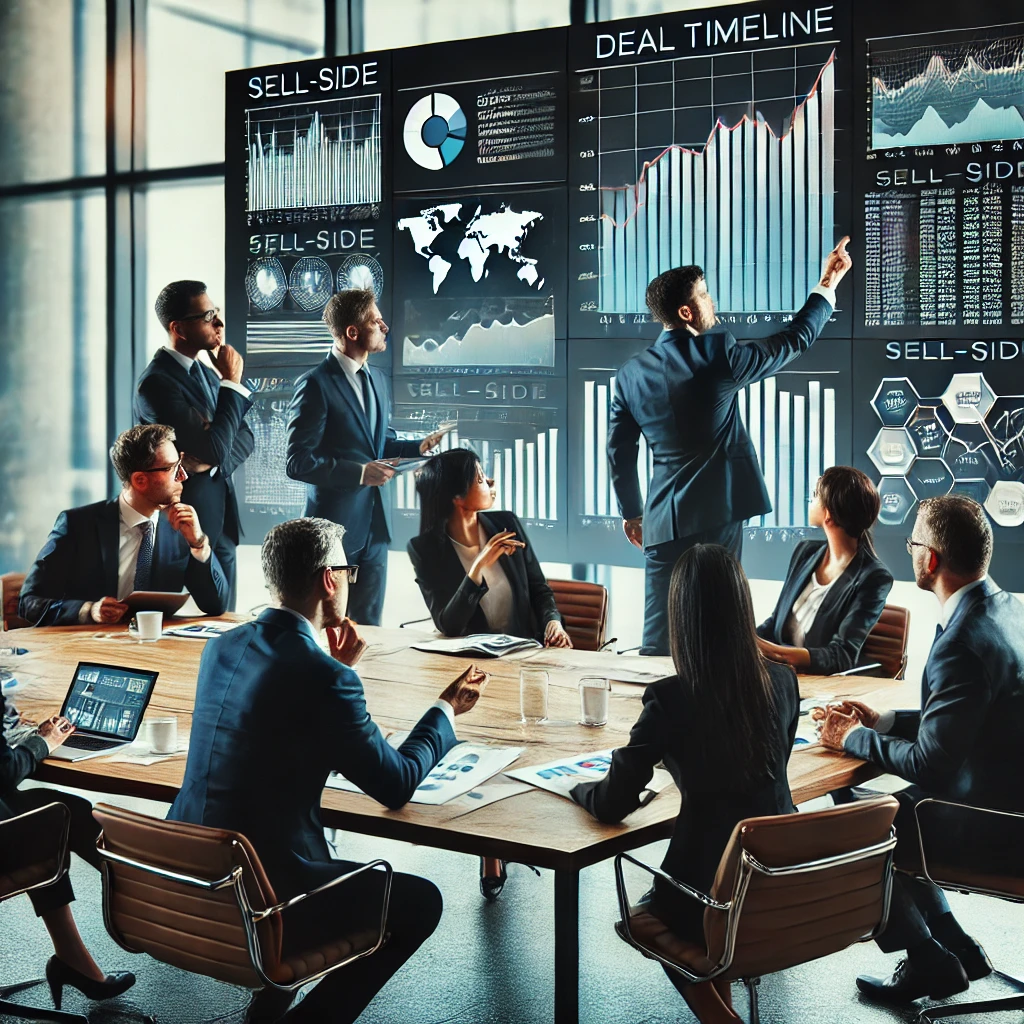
(911, 544)
(163, 469)
(208, 317)
(351, 570)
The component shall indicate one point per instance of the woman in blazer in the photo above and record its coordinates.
(478, 573)
(475, 567)
(71, 963)
(835, 588)
(724, 725)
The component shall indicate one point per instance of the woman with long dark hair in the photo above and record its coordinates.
(835, 588)
(724, 725)
(478, 573)
(474, 565)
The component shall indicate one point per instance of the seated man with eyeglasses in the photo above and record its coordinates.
(144, 539)
(275, 713)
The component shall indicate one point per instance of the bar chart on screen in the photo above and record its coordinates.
(728, 162)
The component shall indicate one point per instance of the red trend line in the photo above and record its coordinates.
(693, 152)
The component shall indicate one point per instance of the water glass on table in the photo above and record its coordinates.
(594, 693)
(533, 695)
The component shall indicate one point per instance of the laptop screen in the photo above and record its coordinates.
(108, 701)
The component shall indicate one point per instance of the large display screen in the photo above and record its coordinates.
(509, 199)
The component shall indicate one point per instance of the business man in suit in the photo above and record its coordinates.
(339, 434)
(207, 411)
(680, 394)
(274, 715)
(144, 539)
(965, 745)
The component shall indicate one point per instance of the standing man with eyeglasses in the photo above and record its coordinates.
(340, 440)
(207, 410)
(144, 539)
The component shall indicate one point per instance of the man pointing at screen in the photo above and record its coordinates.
(681, 395)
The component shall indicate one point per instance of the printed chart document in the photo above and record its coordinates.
(201, 630)
(464, 767)
(483, 645)
(561, 775)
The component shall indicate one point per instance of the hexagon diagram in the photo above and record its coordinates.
(1006, 503)
(897, 500)
(976, 490)
(968, 397)
(930, 478)
(892, 451)
(928, 433)
(895, 401)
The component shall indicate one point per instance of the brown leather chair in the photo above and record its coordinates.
(10, 590)
(1002, 876)
(584, 610)
(790, 888)
(887, 641)
(199, 899)
(33, 848)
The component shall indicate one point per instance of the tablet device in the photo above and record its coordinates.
(164, 601)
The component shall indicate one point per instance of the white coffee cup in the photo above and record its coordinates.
(163, 735)
(147, 625)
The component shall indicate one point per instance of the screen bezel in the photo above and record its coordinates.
(113, 668)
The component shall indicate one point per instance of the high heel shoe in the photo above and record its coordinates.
(59, 974)
(491, 885)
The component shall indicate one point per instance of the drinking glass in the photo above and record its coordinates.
(533, 694)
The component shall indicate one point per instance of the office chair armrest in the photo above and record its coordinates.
(628, 650)
(608, 643)
(414, 622)
(34, 838)
(687, 890)
(259, 915)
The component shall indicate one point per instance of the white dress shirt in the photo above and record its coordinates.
(130, 544)
(351, 369)
(442, 705)
(805, 610)
(496, 604)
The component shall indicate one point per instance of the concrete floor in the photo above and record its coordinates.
(493, 962)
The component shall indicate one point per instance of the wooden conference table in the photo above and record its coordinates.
(535, 827)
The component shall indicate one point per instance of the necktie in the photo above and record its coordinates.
(196, 372)
(144, 564)
(369, 404)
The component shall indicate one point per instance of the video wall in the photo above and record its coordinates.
(509, 198)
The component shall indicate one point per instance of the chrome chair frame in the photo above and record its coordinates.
(8, 1008)
(1016, 1002)
(250, 917)
(748, 866)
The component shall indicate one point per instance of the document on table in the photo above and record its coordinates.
(561, 775)
(201, 630)
(484, 645)
(463, 768)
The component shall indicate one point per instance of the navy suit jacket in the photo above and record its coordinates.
(274, 715)
(216, 435)
(966, 744)
(681, 395)
(454, 599)
(329, 442)
(78, 563)
(848, 613)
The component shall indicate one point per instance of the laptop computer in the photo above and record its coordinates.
(105, 703)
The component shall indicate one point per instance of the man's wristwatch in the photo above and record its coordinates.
(200, 543)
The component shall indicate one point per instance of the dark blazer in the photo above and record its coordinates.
(848, 613)
(215, 435)
(681, 395)
(78, 563)
(711, 807)
(274, 715)
(454, 599)
(17, 763)
(966, 744)
(329, 442)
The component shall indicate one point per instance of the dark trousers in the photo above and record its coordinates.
(225, 550)
(660, 561)
(414, 913)
(366, 596)
(82, 839)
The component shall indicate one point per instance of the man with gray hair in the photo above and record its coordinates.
(274, 715)
(965, 746)
(145, 539)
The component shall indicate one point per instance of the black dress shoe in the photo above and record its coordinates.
(491, 886)
(944, 977)
(267, 1005)
(59, 974)
(974, 959)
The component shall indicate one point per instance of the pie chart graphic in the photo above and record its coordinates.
(435, 131)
